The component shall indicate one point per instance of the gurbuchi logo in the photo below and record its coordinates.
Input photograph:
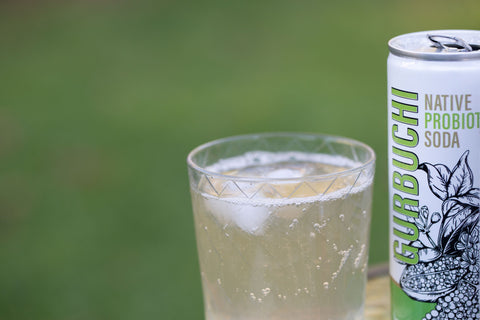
(448, 245)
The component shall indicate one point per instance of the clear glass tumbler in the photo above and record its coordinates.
(282, 225)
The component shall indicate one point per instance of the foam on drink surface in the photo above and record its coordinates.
(278, 243)
(283, 165)
(291, 177)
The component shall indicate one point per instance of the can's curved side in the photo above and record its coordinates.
(434, 183)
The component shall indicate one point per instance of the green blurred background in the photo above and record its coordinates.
(101, 101)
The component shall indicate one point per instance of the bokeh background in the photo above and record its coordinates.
(101, 101)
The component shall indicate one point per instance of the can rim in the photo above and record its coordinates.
(397, 47)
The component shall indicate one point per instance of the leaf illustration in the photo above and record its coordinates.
(438, 176)
(471, 198)
(428, 296)
(461, 178)
(448, 204)
(417, 244)
(460, 218)
(428, 254)
(416, 280)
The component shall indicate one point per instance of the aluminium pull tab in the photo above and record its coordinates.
(449, 43)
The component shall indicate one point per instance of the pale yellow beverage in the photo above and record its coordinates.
(286, 240)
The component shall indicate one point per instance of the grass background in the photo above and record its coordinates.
(101, 101)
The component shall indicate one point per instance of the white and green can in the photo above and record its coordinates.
(434, 174)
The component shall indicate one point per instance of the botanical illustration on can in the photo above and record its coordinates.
(447, 271)
(434, 174)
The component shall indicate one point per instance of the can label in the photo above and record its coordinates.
(434, 180)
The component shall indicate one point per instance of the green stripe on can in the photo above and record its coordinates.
(405, 308)
(405, 94)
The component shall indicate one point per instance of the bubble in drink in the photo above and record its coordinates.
(270, 251)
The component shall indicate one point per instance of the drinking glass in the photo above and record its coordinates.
(282, 225)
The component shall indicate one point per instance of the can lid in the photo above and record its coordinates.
(445, 45)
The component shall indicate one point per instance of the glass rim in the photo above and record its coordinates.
(362, 165)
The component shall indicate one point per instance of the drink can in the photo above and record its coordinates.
(434, 174)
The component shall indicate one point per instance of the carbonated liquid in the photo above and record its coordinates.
(287, 249)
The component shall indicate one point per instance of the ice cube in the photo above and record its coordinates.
(248, 217)
(219, 209)
(285, 173)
